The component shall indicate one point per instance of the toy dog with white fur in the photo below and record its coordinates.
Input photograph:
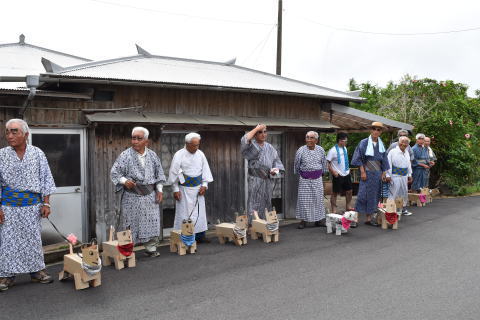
(341, 223)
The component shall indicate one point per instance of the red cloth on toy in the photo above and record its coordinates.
(126, 249)
(423, 198)
(346, 223)
(391, 217)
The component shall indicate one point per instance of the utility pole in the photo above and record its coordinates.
(279, 38)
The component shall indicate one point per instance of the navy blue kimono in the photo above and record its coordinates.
(369, 190)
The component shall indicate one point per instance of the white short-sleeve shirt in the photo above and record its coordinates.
(338, 167)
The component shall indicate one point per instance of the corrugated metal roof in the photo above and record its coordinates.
(21, 59)
(366, 117)
(167, 70)
(169, 118)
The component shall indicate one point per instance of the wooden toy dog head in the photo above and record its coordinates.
(241, 222)
(271, 216)
(390, 206)
(434, 192)
(425, 191)
(399, 203)
(187, 227)
(124, 237)
(90, 254)
(351, 215)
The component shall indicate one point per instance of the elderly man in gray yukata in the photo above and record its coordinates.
(138, 173)
(26, 186)
(264, 166)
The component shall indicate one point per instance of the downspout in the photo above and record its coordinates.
(32, 83)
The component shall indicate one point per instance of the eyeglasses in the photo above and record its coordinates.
(264, 131)
(310, 137)
(137, 138)
(377, 129)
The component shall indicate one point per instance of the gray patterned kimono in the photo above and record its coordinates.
(140, 213)
(20, 235)
(310, 205)
(260, 188)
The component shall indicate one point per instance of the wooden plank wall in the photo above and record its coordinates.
(293, 141)
(226, 194)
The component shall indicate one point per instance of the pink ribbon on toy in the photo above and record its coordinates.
(346, 223)
(72, 239)
(423, 198)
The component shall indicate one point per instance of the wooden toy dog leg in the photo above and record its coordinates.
(329, 225)
(79, 283)
(395, 225)
(106, 261)
(253, 235)
(276, 237)
(131, 262)
(266, 238)
(119, 263)
(221, 239)
(182, 249)
(193, 248)
(338, 229)
(384, 221)
(96, 282)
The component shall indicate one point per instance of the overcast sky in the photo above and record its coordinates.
(324, 42)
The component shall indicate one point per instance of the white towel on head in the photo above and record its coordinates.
(370, 151)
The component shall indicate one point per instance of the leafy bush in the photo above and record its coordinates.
(441, 110)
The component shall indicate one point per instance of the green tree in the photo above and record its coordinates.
(441, 110)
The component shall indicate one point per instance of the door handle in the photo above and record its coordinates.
(77, 190)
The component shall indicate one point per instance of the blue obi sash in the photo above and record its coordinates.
(192, 181)
(17, 198)
(399, 171)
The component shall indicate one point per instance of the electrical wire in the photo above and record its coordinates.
(181, 14)
(401, 34)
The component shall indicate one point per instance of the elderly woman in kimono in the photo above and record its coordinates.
(26, 186)
(190, 175)
(264, 166)
(400, 171)
(310, 164)
(420, 164)
(138, 173)
(371, 158)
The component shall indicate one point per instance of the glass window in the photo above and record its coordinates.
(63, 154)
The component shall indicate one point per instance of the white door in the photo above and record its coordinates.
(65, 152)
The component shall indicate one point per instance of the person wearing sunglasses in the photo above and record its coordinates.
(138, 174)
(371, 158)
(264, 165)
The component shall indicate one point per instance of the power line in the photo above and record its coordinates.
(263, 41)
(387, 33)
(182, 14)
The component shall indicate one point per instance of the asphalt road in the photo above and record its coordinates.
(428, 269)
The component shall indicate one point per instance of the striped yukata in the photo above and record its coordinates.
(310, 205)
(20, 235)
(369, 190)
(261, 159)
(139, 212)
(400, 170)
